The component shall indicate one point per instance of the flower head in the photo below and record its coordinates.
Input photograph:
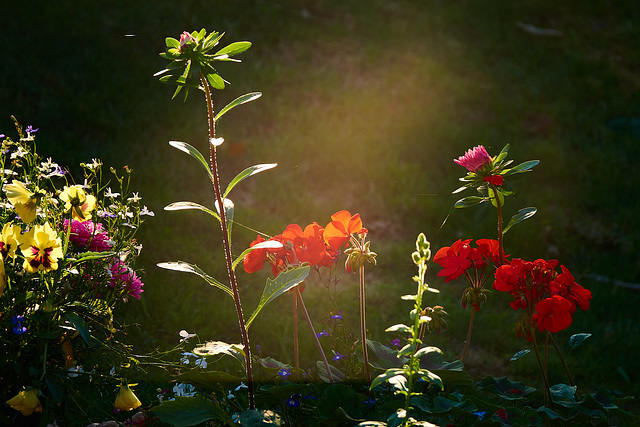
(553, 314)
(89, 235)
(9, 240)
(78, 202)
(474, 159)
(126, 400)
(124, 277)
(27, 402)
(185, 38)
(454, 259)
(41, 248)
(18, 325)
(23, 200)
(338, 231)
(284, 373)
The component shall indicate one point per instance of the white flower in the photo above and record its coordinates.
(7, 172)
(95, 164)
(74, 371)
(20, 152)
(185, 335)
(242, 385)
(108, 193)
(135, 198)
(186, 390)
(201, 363)
(146, 211)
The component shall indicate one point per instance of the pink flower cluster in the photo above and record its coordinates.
(124, 277)
(89, 235)
(474, 159)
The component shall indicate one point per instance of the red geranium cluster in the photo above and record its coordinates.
(314, 245)
(458, 258)
(549, 297)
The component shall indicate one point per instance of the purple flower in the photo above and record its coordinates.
(17, 322)
(337, 356)
(294, 401)
(89, 235)
(396, 342)
(324, 333)
(123, 277)
(30, 129)
(337, 316)
(284, 373)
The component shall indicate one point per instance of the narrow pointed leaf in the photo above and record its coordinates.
(171, 42)
(177, 206)
(577, 339)
(267, 244)
(522, 167)
(285, 281)
(81, 326)
(229, 209)
(193, 152)
(398, 328)
(503, 153)
(469, 201)
(215, 81)
(238, 101)
(191, 268)
(519, 354)
(252, 170)
(522, 214)
(233, 49)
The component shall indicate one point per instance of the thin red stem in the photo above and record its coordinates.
(315, 337)
(499, 206)
(363, 325)
(295, 335)
(468, 341)
(225, 239)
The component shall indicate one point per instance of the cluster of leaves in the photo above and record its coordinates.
(68, 260)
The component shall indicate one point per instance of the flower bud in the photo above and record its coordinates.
(126, 399)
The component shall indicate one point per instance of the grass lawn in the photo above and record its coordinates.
(364, 106)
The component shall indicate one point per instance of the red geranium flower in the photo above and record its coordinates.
(454, 259)
(553, 314)
(494, 179)
(309, 244)
(341, 227)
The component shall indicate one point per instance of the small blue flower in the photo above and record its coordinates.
(17, 322)
(337, 356)
(294, 401)
(284, 373)
(480, 414)
(337, 316)
(324, 333)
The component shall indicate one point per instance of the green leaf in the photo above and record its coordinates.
(577, 339)
(285, 281)
(86, 256)
(563, 392)
(209, 42)
(522, 214)
(399, 382)
(55, 386)
(519, 354)
(386, 375)
(336, 373)
(469, 201)
(208, 378)
(238, 101)
(398, 328)
(233, 49)
(522, 167)
(214, 348)
(228, 214)
(492, 197)
(424, 351)
(81, 326)
(267, 244)
(503, 154)
(258, 418)
(251, 170)
(191, 268)
(429, 376)
(177, 206)
(171, 42)
(189, 411)
(193, 152)
(505, 388)
(383, 357)
(215, 81)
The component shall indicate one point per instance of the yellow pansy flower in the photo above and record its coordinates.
(3, 276)
(78, 202)
(9, 240)
(41, 248)
(126, 399)
(23, 200)
(26, 401)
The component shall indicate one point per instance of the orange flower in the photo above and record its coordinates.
(338, 231)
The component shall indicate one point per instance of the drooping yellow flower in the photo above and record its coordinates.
(126, 399)
(23, 200)
(41, 248)
(9, 240)
(78, 202)
(26, 401)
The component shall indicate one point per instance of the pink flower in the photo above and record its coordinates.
(474, 159)
(185, 38)
(89, 235)
(124, 277)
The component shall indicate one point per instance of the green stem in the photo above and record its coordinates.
(468, 341)
(564, 363)
(543, 371)
(499, 206)
(225, 238)
(363, 325)
(315, 337)
(295, 335)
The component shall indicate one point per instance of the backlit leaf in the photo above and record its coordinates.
(194, 269)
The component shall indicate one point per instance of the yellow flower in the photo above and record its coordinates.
(3, 276)
(126, 400)
(41, 248)
(9, 240)
(26, 402)
(23, 200)
(78, 202)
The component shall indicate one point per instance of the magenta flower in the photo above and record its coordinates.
(89, 235)
(123, 277)
(474, 159)
(185, 38)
